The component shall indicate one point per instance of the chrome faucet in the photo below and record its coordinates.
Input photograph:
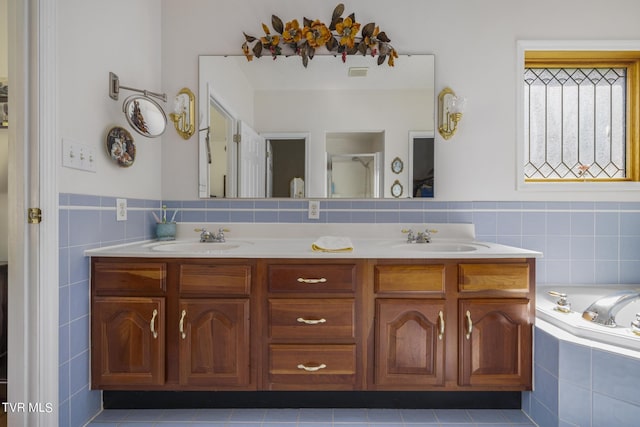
(420, 237)
(604, 310)
(209, 237)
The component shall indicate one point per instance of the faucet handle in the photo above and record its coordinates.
(635, 325)
(562, 305)
(411, 236)
(200, 230)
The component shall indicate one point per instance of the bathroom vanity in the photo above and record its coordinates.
(376, 318)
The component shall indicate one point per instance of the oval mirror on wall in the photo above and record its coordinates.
(145, 115)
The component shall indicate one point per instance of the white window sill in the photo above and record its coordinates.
(578, 187)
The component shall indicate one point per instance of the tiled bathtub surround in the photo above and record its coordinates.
(576, 385)
(582, 243)
(86, 222)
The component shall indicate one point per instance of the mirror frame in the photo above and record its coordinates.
(129, 109)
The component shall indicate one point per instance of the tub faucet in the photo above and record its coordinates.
(604, 310)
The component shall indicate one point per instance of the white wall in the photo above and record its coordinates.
(4, 54)
(95, 37)
(475, 48)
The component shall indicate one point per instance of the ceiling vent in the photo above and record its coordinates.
(358, 71)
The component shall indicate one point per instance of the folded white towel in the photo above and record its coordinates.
(332, 244)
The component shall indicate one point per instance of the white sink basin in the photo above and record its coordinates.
(440, 247)
(197, 247)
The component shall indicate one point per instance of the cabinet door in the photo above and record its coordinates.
(409, 347)
(495, 343)
(214, 342)
(128, 342)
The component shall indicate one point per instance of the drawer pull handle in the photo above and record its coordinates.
(181, 325)
(469, 325)
(152, 324)
(441, 318)
(312, 281)
(312, 368)
(311, 321)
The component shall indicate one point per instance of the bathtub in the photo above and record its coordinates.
(580, 298)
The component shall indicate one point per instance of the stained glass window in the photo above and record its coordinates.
(575, 123)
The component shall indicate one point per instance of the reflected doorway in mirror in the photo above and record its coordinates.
(422, 164)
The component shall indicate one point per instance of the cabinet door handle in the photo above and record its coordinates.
(181, 324)
(311, 321)
(469, 325)
(312, 281)
(152, 324)
(312, 368)
(441, 318)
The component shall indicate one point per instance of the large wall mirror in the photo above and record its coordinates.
(272, 128)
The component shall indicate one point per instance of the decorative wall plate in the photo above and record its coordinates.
(396, 189)
(120, 146)
(397, 165)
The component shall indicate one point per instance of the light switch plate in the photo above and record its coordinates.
(314, 209)
(121, 209)
(78, 156)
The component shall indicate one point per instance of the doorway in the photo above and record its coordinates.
(286, 167)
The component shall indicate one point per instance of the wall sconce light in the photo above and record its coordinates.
(450, 109)
(184, 112)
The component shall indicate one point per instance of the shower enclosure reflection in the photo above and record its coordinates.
(354, 175)
(354, 164)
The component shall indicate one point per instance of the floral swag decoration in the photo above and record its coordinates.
(341, 37)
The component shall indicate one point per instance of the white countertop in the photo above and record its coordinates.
(452, 241)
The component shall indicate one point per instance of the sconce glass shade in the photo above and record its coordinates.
(184, 113)
(450, 109)
(457, 104)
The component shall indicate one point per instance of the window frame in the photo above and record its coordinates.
(554, 54)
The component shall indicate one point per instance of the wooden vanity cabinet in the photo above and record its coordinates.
(453, 324)
(128, 324)
(171, 325)
(495, 317)
(312, 330)
(213, 327)
(409, 326)
(312, 324)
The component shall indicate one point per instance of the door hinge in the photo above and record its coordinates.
(34, 216)
(237, 137)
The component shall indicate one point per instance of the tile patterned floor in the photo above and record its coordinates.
(312, 418)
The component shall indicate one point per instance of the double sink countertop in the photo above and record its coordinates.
(252, 240)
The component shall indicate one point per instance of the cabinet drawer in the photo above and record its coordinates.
(409, 278)
(499, 277)
(311, 318)
(129, 277)
(312, 366)
(211, 279)
(312, 278)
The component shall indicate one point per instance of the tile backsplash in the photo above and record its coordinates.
(582, 242)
